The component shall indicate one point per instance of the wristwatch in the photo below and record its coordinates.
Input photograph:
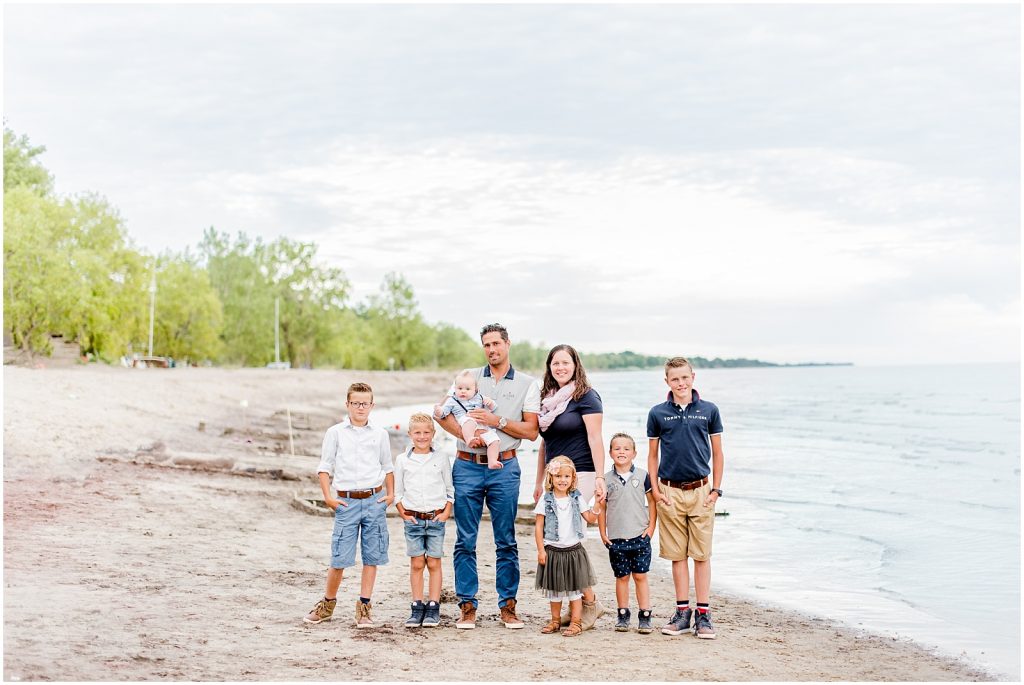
(718, 490)
(502, 422)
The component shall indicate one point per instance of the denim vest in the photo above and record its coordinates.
(551, 515)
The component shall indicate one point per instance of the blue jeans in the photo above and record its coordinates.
(499, 488)
(423, 537)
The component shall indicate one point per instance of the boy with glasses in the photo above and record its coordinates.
(358, 483)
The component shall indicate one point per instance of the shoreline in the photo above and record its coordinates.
(186, 569)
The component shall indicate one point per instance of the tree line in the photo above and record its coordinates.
(71, 269)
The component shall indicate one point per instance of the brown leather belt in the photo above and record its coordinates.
(482, 458)
(692, 485)
(425, 515)
(360, 494)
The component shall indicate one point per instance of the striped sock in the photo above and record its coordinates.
(682, 604)
(702, 608)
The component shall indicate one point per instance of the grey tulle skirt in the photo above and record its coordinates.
(568, 569)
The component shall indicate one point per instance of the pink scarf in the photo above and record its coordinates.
(554, 404)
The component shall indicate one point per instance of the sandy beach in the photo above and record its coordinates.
(150, 533)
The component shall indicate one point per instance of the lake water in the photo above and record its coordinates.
(887, 498)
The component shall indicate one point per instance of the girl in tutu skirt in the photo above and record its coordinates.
(563, 567)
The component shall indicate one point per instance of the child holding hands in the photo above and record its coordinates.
(627, 524)
(563, 567)
(424, 496)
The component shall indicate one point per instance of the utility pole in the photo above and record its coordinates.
(277, 330)
(152, 307)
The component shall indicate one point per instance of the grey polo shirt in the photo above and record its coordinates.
(515, 393)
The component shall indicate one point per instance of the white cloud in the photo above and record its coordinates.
(739, 180)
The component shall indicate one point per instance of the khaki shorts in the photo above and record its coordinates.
(685, 524)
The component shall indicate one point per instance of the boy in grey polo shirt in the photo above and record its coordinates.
(626, 526)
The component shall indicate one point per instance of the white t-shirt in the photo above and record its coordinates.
(563, 509)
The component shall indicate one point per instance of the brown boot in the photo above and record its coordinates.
(508, 615)
(468, 619)
(323, 611)
(591, 612)
(363, 618)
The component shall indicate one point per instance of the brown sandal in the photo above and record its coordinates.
(552, 626)
(575, 628)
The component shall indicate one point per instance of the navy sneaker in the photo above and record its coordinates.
(415, 619)
(645, 622)
(622, 625)
(702, 627)
(679, 624)
(432, 615)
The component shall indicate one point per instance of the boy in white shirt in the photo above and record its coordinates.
(424, 497)
(355, 467)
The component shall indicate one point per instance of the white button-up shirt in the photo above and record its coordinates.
(358, 457)
(423, 482)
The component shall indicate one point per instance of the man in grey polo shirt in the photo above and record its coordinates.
(515, 418)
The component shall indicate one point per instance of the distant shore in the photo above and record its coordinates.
(153, 509)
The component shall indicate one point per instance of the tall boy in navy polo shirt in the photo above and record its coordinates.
(688, 431)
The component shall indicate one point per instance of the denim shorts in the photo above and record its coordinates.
(424, 537)
(362, 520)
(630, 556)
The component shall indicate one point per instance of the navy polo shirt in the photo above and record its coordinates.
(685, 435)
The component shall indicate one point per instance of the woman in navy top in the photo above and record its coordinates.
(570, 419)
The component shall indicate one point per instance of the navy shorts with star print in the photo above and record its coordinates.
(630, 556)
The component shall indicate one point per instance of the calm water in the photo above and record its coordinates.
(887, 498)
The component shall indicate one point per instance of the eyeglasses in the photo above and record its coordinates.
(359, 405)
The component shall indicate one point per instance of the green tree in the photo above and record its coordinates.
(399, 330)
(188, 314)
(39, 280)
(455, 349)
(310, 296)
(68, 269)
(234, 269)
(22, 169)
(109, 310)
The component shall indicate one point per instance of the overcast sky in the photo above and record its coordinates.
(792, 183)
